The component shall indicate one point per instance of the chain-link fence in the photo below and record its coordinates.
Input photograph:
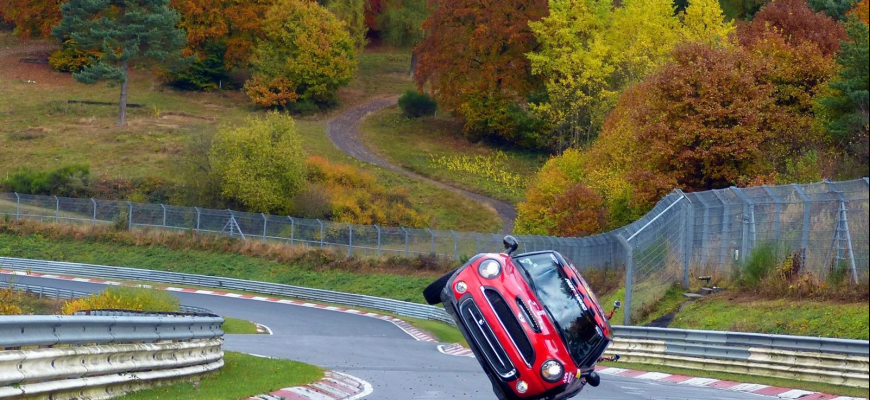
(685, 234)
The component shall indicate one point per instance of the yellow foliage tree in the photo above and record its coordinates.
(260, 164)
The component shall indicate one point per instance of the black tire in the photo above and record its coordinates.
(432, 293)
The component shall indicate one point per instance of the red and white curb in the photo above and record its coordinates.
(458, 350)
(333, 386)
(763, 390)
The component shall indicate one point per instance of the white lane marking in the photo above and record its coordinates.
(699, 381)
(612, 371)
(258, 355)
(747, 387)
(309, 394)
(367, 388)
(794, 394)
(264, 327)
(653, 376)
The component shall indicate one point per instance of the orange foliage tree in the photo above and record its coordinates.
(796, 22)
(474, 58)
(32, 18)
(236, 24)
(862, 11)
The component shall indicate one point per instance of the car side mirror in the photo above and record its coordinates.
(510, 244)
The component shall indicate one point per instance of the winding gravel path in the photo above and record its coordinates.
(344, 132)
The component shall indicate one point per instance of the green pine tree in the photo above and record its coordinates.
(846, 109)
(126, 31)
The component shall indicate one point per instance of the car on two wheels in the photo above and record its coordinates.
(531, 321)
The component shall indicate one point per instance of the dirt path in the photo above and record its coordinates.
(343, 130)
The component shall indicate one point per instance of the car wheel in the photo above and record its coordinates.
(432, 293)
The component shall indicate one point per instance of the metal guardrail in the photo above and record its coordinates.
(59, 293)
(835, 361)
(94, 356)
(107, 272)
(746, 353)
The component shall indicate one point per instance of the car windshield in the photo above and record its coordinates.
(580, 334)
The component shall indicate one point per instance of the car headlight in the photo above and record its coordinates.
(489, 269)
(552, 371)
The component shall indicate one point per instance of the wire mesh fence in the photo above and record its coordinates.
(685, 234)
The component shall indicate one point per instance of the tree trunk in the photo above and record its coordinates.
(122, 103)
(413, 62)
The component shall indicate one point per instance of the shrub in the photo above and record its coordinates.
(67, 181)
(415, 105)
(124, 298)
(762, 261)
(6, 306)
(72, 58)
(260, 164)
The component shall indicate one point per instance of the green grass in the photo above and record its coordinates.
(732, 312)
(242, 376)
(239, 326)
(764, 380)
(412, 143)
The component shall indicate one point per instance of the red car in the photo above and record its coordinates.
(531, 320)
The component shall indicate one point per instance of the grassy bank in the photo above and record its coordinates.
(242, 376)
(310, 269)
(428, 145)
(235, 326)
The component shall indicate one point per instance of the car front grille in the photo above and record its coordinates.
(511, 325)
(486, 341)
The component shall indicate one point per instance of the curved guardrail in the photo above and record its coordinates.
(102, 356)
(838, 361)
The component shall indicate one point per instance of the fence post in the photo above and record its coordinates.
(197, 217)
(688, 239)
(748, 223)
(378, 228)
(265, 222)
(321, 232)
(726, 228)
(292, 229)
(17, 207)
(164, 215)
(777, 210)
(349, 240)
(455, 246)
(629, 279)
(431, 241)
(406, 241)
(129, 216)
(805, 230)
(94, 220)
(56, 210)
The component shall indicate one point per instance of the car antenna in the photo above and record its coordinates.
(510, 244)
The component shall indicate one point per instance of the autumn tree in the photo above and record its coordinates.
(260, 164)
(231, 26)
(796, 22)
(845, 108)
(306, 56)
(473, 59)
(590, 51)
(32, 18)
(124, 31)
(861, 11)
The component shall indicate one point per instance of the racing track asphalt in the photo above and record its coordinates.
(397, 366)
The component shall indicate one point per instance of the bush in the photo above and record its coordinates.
(762, 261)
(124, 298)
(67, 181)
(415, 105)
(6, 306)
(71, 58)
